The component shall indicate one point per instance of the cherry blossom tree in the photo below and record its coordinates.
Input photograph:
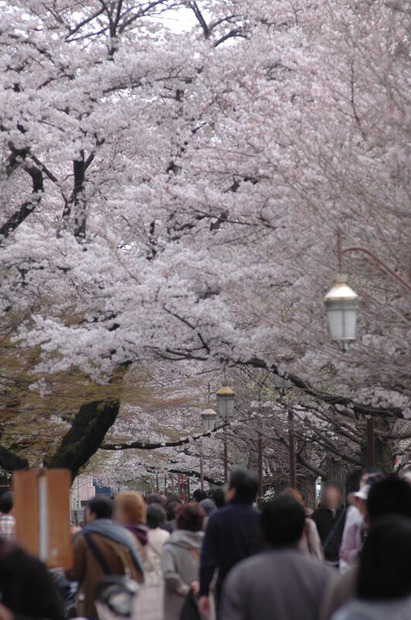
(172, 194)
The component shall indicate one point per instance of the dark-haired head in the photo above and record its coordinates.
(384, 569)
(218, 497)
(282, 521)
(190, 517)
(99, 507)
(243, 486)
(6, 503)
(171, 509)
(155, 516)
(391, 496)
(199, 495)
(154, 498)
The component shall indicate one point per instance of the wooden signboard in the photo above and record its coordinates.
(41, 506)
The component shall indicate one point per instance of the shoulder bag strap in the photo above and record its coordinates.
(333, 530)
(98, 556)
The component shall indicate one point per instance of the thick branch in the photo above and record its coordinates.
(142, 445)
(195, 474)
(343, 401)
(11, 461)
(28, 206)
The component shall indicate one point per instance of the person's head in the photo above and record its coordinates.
(154, 498)
(218, 497)
(199, 495)
(190, 517)
(370, 475)
(295, 494)
(6, 503)
(391, 496)
(243, 487)
(208, 506)
(282, 521)
(171, 509)
(155, 516)
(331, 495)
(99, 507)
(384, 568)
(130, 508)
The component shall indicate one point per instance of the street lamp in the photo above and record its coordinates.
(225, 407)
(208, 418)
(282, 385)
(341, 305)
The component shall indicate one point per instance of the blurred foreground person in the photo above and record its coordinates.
(102, 548)
(384, 574)
(7, 521)
(130, 512)
(389, 497)
(156, 539)
(173, 502)
(330, 520)
(310, 542)
(282, 582)
(356, 525)
(180, 561)
(26, 587)
(231, 536)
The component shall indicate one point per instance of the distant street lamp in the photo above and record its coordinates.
(208, 418)
(225, 407)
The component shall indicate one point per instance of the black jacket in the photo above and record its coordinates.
(26, 587)
(325, 521)
(231, 536)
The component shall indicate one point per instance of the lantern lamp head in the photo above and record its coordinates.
(341, 305)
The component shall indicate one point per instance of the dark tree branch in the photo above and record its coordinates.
(28, 206)
(11, 461)
(141, 445)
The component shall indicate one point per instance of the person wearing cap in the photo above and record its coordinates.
(330, 519)
(391, 496)
(354, 534)
(356, 523)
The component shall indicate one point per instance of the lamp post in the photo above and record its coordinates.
(341, 305)
(208, 418)
(282, 385)
(225, 407)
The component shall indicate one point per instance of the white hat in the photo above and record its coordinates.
(362, 493)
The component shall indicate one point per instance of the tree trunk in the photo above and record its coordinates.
(90, 425)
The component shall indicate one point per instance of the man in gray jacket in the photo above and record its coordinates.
(281, 582)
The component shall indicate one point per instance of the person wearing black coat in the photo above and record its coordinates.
(27, 590)
(330, 520)
(231, 535)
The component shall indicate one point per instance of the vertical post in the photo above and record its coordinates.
(172, 484)
(260, 470)
(182, 487)
(157, 484)
(201, 465)
(291, 443)
(370, 442)
(165, 484)
(225, 455)
(339, 250)
(43, 517)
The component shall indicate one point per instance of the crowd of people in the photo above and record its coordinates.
(219, 556)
